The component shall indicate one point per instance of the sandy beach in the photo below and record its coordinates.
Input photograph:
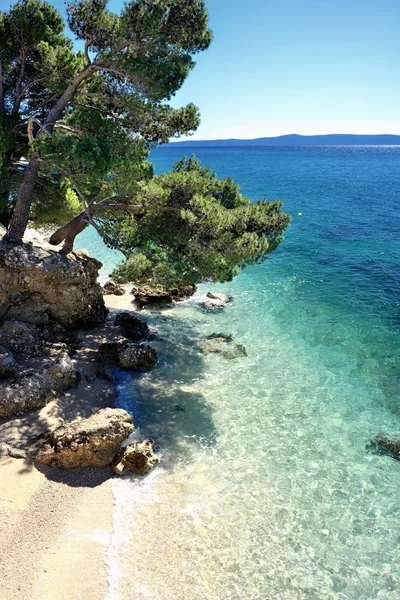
(56, 525)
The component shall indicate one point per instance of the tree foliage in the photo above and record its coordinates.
(188, 226)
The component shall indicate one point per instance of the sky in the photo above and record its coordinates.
(296, 66)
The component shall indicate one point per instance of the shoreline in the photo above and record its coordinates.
(56, 525)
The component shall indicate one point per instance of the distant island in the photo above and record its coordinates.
(334, 139)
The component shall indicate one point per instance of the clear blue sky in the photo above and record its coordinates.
(296, 66)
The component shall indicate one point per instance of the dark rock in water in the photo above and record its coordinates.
(137, 458)
(34, 390)
(111, 288)
(39, 284)
(221, 343)
(127, 355)
(146, 295)
(134, 328)
(91, 442)
(224, 298)
(8, 366)
(384, 445)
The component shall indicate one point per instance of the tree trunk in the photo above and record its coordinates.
(23, 202)
(68, 232)
(22, 207)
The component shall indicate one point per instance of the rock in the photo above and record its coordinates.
(21, 338)
(127, 354)
(35, 389)
(8, 366)
(384, 445)
(38, 284)
(111, 288)
(224, 298)
(220, 343)
(217, 301)
(134, 328)
(146, 295)
(91, 442)
(137, 458)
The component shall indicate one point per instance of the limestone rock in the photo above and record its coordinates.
(134, 328)
(38, 284)
(137, 458)
(22, 338)
(91, 442)
(146, 295)
(111, 288)
(385, 445)
(35, 389)
(8, 366)
(127, 355)
(224, 298)
(221, 343)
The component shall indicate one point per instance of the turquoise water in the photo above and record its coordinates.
(267, 490)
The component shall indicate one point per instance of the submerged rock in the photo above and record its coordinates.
(35, 389)
(8, 366)
(111, 288)
(137, 458)
(221, 343)
(91, 442)
(39, 284)
(127, 355)
(385, 445)
(146, 295)
(133, 327)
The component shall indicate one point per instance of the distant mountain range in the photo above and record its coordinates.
(334, 139)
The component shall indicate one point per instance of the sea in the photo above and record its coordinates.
(268, 489)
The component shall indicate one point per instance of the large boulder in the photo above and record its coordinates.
(216, 301)
(385, 445)
(35, 389)
(91, 442)
(133, 327)
(38, 284)
(137, 458)
(223, 344)
(111, 288)
(127, 355)
(8, 366)
(146, 295)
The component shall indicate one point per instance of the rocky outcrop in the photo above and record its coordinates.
(222, 343)
(8, 366)
(35, 389)
(39, 284)
(135, 329)
(137, 458)
(385, 445)
(127, 355)
(91, 442)
(21, 338)
(111, 288)
(216, 301)
(146, 295)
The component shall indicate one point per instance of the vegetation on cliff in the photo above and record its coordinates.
(85, 123)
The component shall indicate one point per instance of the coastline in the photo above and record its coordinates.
(56, 525)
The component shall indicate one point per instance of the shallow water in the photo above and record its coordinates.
(267, 489)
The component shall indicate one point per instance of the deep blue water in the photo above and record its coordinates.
(267, 489)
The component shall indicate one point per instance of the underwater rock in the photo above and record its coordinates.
(137, 458)
(221, 343)
(385, 445)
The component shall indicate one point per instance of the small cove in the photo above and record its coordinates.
(267, 489)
